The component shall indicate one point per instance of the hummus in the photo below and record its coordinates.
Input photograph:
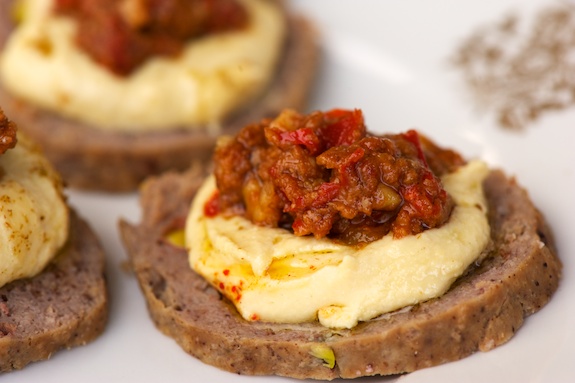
(33, 213)
(272, 275)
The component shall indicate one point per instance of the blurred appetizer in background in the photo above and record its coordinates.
(317, 249)
(53, 292)
(114, 91)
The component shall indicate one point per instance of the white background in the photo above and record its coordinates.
(391, 59)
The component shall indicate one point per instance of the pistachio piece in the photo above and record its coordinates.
(321, 351)
(18, 11)
(176, 238)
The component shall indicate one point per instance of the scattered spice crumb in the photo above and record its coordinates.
(522, 70)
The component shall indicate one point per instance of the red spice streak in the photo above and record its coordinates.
(254, 317)
(237, 291)
(212, 207)
(226, 272)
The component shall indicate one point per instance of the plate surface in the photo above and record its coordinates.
(393, 60)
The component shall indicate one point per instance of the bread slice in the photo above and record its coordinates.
(62, 307)
(89, 158)
(481, 311)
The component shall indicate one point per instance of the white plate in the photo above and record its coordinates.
(389, 58)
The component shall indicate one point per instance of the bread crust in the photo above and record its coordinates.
(91, 158)
(481, 311)
(63, 307)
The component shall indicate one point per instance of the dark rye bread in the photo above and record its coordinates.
(90, 158)
(62, 307)
(481, 311)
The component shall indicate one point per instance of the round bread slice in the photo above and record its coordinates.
(62, 307)
(482, 310)
(90, 158)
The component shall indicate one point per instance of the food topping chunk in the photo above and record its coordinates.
(8, 137)
(324, 175)
(122, 34)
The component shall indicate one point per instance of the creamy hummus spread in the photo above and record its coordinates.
(272, 275)
(33, 213)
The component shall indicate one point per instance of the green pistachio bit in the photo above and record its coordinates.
(176, 238)
(325, 353)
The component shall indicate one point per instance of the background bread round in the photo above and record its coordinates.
(90, 158)
(62, 307)
(482, 310)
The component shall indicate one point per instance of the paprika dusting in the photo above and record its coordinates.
(122, 34)
(323, 174)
